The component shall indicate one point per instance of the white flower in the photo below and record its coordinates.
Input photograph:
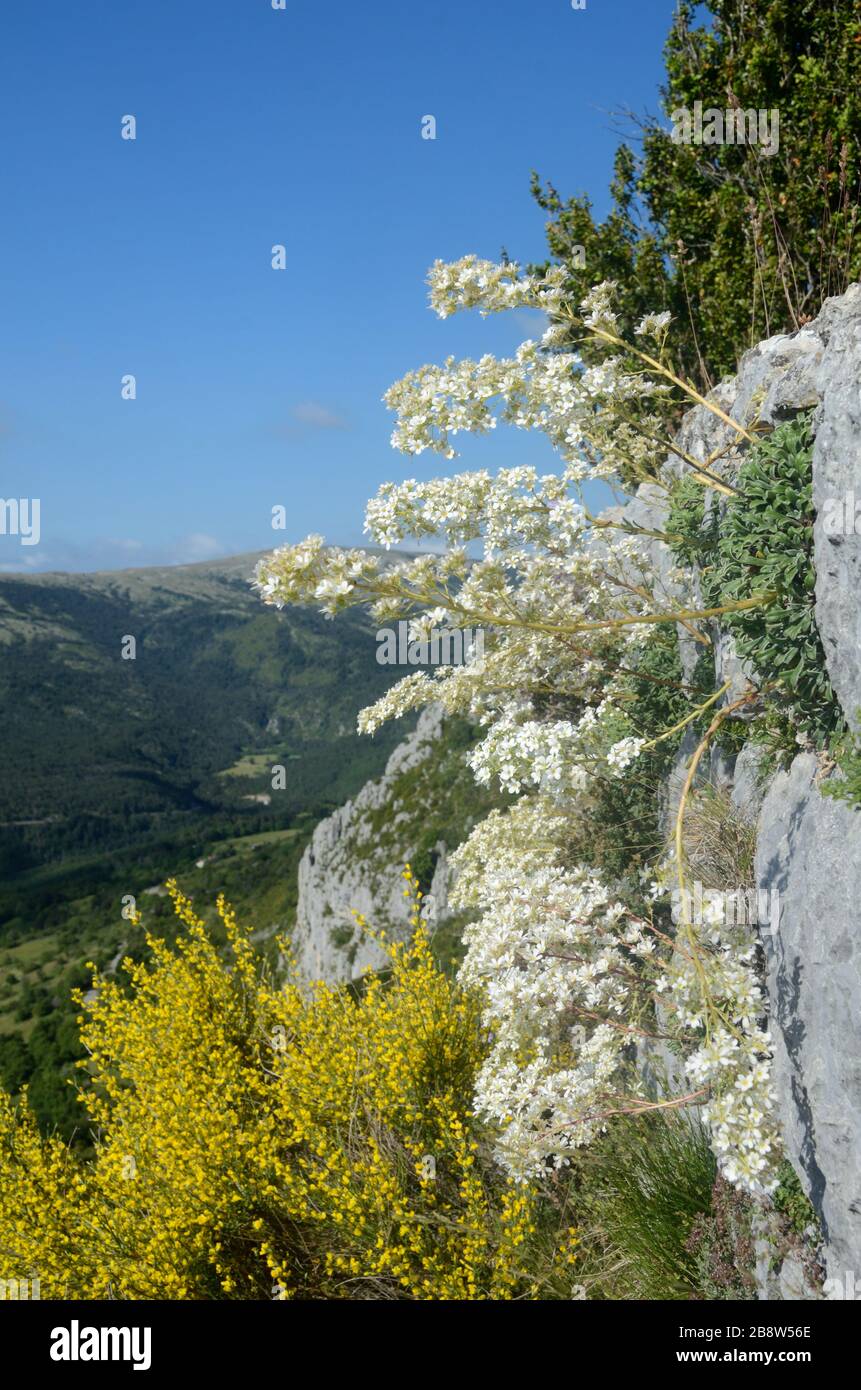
(653, 325)
(622, 754)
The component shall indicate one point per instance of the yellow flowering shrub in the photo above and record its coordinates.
(255, 1140)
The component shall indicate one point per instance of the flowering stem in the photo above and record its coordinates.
(689, 717)
(679, 615)
(630, 528)
(639, 1108)
(686, 924)
(676, 380)
(701, 470)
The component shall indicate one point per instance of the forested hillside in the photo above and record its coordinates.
(119, 773)
(102, 750)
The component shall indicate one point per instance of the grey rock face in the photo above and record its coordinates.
(795, 1286)
(808, 845)
(836, 483)
(780, 1277)
(809, 848)
(346, 869)
(778, 377)
(747, 787)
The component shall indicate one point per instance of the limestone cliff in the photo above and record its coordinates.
(809, 847)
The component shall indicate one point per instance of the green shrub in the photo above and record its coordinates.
(847, 755)
(694, 537)
(791, 1201)
(738, 244)
(646, 1188)
(764, 543)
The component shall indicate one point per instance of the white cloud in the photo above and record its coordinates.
(531, 321)
(318, 417)
(27, 562)
(193, 547)
(108, 553)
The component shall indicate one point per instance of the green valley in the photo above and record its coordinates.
(117, 774)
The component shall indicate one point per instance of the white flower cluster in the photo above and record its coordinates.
(733, 1059)
(471, 283)
(556, 960)
(584, 412)
(514, 509)
(311, 570)
(570, 977)
(568, 973)
(624, 753)
(525, 838)
(654, 325)
(555, 758)
(597, 307)
(480, 690)
(532, 390)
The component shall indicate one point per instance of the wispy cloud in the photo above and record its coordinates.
(195, 546)
(532, 321)
(108, 553)
(318, 417)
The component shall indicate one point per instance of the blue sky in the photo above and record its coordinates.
(152, 257)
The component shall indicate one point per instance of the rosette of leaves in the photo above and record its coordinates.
(846, 752)
(764, 544)
(691, 530)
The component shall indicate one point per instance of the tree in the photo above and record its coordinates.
(739, 242)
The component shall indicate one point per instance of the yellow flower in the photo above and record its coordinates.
(318, 1148)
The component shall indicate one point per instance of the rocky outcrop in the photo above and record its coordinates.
(809, 846)
(354, 864)
(836, 483)
(809, 849)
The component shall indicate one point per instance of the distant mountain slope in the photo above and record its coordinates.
(98, 751)
(116, 775)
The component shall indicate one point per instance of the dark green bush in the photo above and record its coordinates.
(736, 243)
(764, 544)
(656, 1227)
